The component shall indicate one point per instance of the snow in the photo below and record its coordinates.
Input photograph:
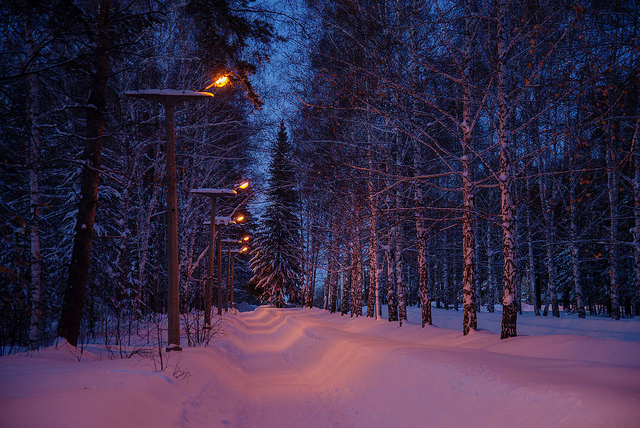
(297, 367)
(168, 92)
(214, 192)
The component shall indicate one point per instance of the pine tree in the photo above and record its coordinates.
(275, 259)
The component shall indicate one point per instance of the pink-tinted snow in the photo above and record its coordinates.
(308, 368)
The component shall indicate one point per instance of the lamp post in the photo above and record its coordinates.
(170, 98)
(230, 269)
(222, 221)
(208, 295)
(233, 262)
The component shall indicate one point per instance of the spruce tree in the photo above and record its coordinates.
(276, 255)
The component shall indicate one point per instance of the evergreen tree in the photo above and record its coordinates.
(275, 258)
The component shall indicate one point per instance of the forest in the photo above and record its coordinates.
(461, 154)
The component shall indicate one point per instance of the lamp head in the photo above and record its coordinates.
(221, 81)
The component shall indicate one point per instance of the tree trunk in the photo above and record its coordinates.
(392, 299)
(399, 262)
(346, 283)
(510, 310)
(312, 273)
(636, 210)
(469, 317)
(71, 316)
(33, 161)
(577, 286)
(491, 280)
(333, 290)
(356, 277)
(470, 320)
(333, 272)
(421, 243)
(373, 303)
(532, 266)
(613, 185)
(143, 251)
(549, 234)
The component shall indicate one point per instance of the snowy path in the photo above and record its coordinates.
(308, 368)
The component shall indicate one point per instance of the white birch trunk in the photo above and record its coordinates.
(509, 304)
(470, 318)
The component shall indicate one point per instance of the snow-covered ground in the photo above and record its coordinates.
(305, 368)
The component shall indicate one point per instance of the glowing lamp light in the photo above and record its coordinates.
(243, 185)
(244, 249)
(218, 83)
(239, 218)
(245, 238)
(222, 81)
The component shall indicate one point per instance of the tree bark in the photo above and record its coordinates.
(373, 302)
(421, 241)
(399, 270)
(575, 269)
(469, 317)
(33, 161)
(392, 296)
(613, 185)
(71, 316)
(509, 304)
(636, 210)
(532, 266)
(491, 280)
(356, 276)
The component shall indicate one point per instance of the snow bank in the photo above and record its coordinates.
(305, 367)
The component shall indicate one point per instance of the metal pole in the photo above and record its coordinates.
(208, 293)
(173, 323)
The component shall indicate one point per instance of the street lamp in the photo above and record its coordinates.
(230, 268)
(221, 221)
(169, 98)
(213, 194)
(208, 295)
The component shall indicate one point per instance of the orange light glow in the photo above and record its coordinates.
(222, 81)
(246, 238)
(239, 218)
(218, 83)
(244, 185)
(244, 249)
